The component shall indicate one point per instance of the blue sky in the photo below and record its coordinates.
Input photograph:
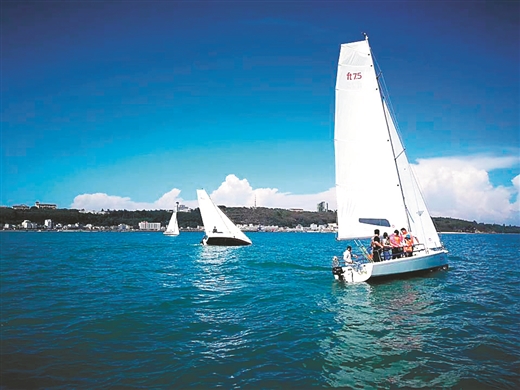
(137, 104)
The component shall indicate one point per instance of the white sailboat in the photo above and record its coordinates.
(173, 226)
(218, 227)
(375, 185)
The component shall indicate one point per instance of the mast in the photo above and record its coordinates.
(392, 143)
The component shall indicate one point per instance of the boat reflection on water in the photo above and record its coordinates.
(380, 338)
(215, 269)
(407, 315)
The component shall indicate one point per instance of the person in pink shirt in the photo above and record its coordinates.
(396, 243)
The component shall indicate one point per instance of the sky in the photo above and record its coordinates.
(135, 105)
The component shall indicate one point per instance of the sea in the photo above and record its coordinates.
(146, 311)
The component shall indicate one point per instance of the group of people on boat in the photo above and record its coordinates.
(386, 247)
(393, 246)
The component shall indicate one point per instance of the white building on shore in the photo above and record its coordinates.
(29, 225)
(149, 225)
(50, 206)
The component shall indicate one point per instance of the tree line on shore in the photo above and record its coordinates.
(239, 215)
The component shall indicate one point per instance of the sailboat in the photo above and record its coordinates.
(375, 185)
(218, 227)
(173, 226)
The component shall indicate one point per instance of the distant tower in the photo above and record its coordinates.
(323, 206)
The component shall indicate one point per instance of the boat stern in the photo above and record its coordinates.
(352, 273)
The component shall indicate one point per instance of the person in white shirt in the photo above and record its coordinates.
(347, 255)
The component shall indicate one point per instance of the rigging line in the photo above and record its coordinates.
(418, 192)
(386, 93)
(389, 101)
(399, 155)
(418, 195)
(391, 111)
(387, 119)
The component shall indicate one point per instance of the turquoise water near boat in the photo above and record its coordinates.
(144, 310)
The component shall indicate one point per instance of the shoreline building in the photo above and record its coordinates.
(29, 225)
(49, 206)
(149, 225)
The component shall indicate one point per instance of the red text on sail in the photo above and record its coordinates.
(353, 76)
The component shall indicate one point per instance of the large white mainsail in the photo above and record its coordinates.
(218, 227)
(373, 176)
(367, 185)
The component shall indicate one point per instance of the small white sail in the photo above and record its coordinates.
(173, 226)
(218, 227)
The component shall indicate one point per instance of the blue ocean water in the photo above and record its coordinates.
(142, 310)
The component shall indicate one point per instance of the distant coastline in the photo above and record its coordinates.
(249, 219)
(201, 231)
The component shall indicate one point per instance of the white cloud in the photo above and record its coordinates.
(168, 200)
(457, 187)
(234, 192)
(100, 201)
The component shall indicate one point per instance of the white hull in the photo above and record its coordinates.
(170, 234)
(355, 273)
(405, 265)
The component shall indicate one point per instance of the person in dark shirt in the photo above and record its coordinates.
(377, 248)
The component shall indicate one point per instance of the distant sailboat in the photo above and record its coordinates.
(218, 227)
(375, 185)
(173, 226)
